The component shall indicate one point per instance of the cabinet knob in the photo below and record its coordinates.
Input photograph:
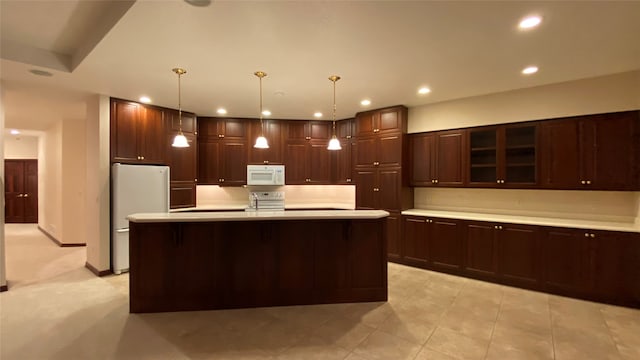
(376, 130)
(588, 182)
(26, 195)
(195, 180)
(220, 135)
(583, 182)
(436, 181)
(142, 157)
(348, 136)
(265, 162)
(221, 180)
(20, 195)
(586, 234)
(592, 235)
(348, 180)
(308, 138)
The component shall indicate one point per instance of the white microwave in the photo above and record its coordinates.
(265, 175)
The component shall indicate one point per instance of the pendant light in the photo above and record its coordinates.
(180, 140)
(334, 143)
(261, 141)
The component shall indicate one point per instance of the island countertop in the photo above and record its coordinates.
(260, 215)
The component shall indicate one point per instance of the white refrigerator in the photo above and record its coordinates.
(136, 189)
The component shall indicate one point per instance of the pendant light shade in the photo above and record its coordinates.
(334, 143)
(261, 141)
(180, 140)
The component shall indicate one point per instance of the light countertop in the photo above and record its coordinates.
(203, 216)
(528, 220)
(306, 206)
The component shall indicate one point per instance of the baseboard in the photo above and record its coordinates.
(97, 272)
(4, 288)
(61, 244)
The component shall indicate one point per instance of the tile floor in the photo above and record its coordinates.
(56, 309)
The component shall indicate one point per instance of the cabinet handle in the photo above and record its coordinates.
(265, 162)
(376, 189)
(348, 180)
(220, 135)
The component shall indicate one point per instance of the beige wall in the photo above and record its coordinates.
(50, 181)
(97, 228)
(73, 181)
(21, 147)
(602, 94)
(3, 271)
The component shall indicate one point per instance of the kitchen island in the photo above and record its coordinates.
(221, 260)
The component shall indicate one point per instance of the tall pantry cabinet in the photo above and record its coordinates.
(380, 171)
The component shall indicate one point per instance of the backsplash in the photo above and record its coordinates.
(615, 206)
(311, 196)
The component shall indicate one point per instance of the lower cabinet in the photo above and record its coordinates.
(432, 243)
(594, 265)
(394, 236)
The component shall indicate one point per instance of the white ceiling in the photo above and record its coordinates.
(383, 51)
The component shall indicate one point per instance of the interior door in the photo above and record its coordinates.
(21, 191)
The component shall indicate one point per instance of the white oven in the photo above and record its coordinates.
(268, 175)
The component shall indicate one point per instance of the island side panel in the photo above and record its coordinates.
(218, 265)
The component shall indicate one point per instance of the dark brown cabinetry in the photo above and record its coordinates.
(502, 156)
(272, 130)
(432, 243)
(437, 158)
(307, 159)
(213, 265)
(394, 236)
(343, 159)
(595, 152)
(182, 161)
(381, 189)
(138, 133)
(392, 119)
(222, 151)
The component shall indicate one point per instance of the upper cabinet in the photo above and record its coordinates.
(272, 130)
(503, 156)
(138, 133)
(437, 158)
(596, 152)
(343, 159)
(306, 157)
(222, 151)
(381, 121)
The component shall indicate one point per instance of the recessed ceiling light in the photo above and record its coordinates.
(40, 72)
(317, 114)
(530, 70)
(266, 112)
(365, 102)
(145, 99)
(222, 111)
(14, 132)
(424, 90)
(530, 22)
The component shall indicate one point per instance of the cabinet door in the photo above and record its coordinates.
(422, 159)
(366, 123)
(367, 151)
(519, 155)
(483, 157)
(182, 194)
(613, 163)
(414, 240)
(235, 129)
(394, 236)
(615, 267)
(273, 133)
(296, 130)
(560, 154)
(209, 170)
(319, 163)
(566, 257)
(518, 248)
(389, 150)
(390, 120)
(389, 188)
(209, 128)
(366, 182)
(320, 131)
(234, 162)
(450, 159)
(480, 258)
(152, 136)
(296, 162)
(445, 244)
(183, 160)
(125, 118)
(343, 164)
(172, 121)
